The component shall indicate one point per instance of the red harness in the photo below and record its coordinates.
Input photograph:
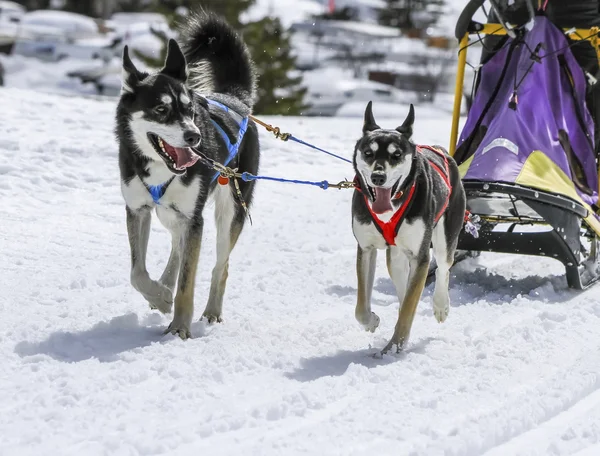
(389, 229)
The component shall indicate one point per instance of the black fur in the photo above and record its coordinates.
(206, 37)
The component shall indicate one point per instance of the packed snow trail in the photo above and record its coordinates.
(86, 370)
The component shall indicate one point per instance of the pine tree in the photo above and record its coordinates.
(278, 92)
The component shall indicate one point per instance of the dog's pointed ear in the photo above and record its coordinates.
(406, 128)
(369, 124)
(130, 75)
(175, 64)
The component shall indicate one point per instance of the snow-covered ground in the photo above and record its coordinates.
(515, 370)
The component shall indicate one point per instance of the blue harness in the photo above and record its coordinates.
(158, 191)
(243, 125)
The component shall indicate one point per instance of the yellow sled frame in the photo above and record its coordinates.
(590, 34)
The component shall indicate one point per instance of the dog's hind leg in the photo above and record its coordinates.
(184, 299)
(444, 257)
(419, 266)
(229, 220)
(138, 229)
(365, 272)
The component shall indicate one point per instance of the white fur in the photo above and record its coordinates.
(184, 98)
(172, 134)
(135, 194)
(201, 77)
(399, 172)
(374, 146)
(399, 271)
(125, 88)
(409, 238)
(166, 99)
(441, 298)
(364, 169)
(158, 173)
(183, 197)
(392, 148)
(367, 235)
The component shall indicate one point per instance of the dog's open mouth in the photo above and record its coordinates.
(177, 159)
(381, 198)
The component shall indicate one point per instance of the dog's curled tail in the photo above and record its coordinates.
(217, 57)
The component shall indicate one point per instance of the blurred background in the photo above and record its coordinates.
(315, 57)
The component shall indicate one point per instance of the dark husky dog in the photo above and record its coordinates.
(409, 197)
(198, 103)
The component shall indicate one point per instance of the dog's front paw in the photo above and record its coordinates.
(179, 328)
(159, 297)
(211, 317)
(393, 342)
(441, 311)
(373, 323)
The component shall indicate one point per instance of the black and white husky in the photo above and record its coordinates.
(409, 197)
(199, 102)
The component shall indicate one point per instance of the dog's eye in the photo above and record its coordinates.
(397, 156)
(160, 109)
(368, 153)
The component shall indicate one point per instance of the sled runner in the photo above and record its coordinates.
(527, 153)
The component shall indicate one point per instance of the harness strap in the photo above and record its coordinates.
(444, 175)
(233, 149)
(158, 191)
(389, 229)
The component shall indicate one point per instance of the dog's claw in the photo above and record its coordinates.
(180, 330)
(212, 318)
(399, 346)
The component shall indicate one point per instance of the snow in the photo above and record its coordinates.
(288, 11)
(86, 370)
(73, 24)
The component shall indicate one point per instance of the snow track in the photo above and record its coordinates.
(515, 370)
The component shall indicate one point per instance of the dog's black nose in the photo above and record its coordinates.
(378, 179)
(191, 137)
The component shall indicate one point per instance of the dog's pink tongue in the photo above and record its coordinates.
(183, 156)
(383, 200)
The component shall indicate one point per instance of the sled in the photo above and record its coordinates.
(526, 153)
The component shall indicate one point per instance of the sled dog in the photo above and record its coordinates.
(198, 103)
(408, 197)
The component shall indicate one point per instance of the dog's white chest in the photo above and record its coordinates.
(367, 235)
(409, 237)
(178, 199)
(182, 198)
(135, 194)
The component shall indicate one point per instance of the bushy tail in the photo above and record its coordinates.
(217, 57)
